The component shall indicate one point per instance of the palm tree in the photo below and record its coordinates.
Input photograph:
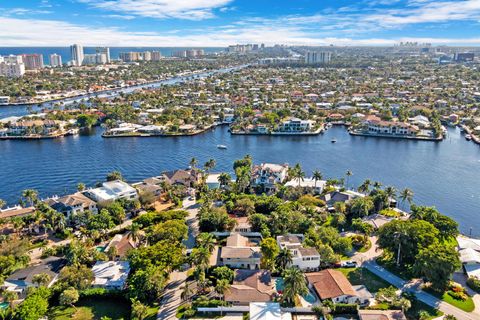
(134, 232)
(348, 174)
(406, 195)
(224, 179)
(2, 203)
(317, 176)
(365, 186)
(209, 165)
(295, 284)
(186, 292)
(377, 185)
(223, 285)
(391, 193)
(206, 240)
(193, 163)
(200, 258)
(30, 195)
(297, 173)
(80, 187)
(284, 258)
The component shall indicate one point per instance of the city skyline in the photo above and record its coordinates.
(218, 23)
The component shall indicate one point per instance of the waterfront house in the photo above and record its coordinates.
(110, 275)
(150, 185)
(295, 125)
(41, 127)
(73, 204)
(332, 285)
(306, 259)
(377, 220)
(188, 178)
(212, 181)
(340, 196)
(316, 185)
(394, 128)
(471, 261)
(16, 211)
(22, 279)
(111, 191)
(240, 253)
(268, 175)
(251, 286)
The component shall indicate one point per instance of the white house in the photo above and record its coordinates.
(316, 185)
(113, 190)
(267, 175)
(307, 259)
(296, 125)
(111, 274)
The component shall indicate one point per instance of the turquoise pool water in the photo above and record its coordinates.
(279, 286)
(4, 305)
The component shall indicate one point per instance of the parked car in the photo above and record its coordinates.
(349, 264)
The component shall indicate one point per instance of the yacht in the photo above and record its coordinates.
(221, 146)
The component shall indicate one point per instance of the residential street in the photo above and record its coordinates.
(171, 299)
(367, 260)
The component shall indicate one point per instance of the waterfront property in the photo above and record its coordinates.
(111, 191)
(268, 175)
(72, 204)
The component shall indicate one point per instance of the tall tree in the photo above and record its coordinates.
(406, 195)
(437, 263)
(284, 258)
(317, 176)
(269, 250)
(30, 195)
(295, 284)
(365, 186)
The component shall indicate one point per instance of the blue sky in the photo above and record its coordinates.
(224, 22)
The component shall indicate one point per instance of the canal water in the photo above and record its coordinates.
(442, 174)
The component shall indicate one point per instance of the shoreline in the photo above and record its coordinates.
(475, 138)
(360, 134)
(153, 135)
(114, 90)
(294, 134)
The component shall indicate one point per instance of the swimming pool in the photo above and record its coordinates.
(280, 285)
(4, 305)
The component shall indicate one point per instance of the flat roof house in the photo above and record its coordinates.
(111, 274)
(111, 191)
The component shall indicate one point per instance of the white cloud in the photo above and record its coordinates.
(162, 9)
(33, 32)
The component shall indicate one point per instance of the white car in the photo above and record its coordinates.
(349, 264)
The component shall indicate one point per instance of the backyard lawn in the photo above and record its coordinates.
(93, 308)
(359, 276)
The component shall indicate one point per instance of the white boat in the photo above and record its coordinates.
(468, 137)
(334, 140)
(221, 146)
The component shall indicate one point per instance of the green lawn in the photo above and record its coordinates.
(93, 308)
(467, 305)
(359, 276)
